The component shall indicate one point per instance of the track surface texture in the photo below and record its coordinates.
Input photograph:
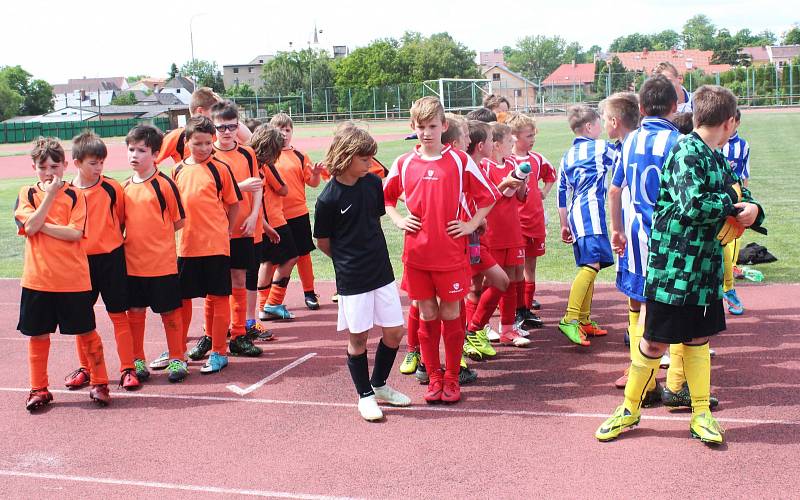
(523, 430)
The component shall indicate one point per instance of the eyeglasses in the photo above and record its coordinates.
(230, 127)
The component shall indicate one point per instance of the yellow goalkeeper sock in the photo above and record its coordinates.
(633, 315)
(697, 364)
(586, 307)
(577, 293)
(641, 375)
(727, 264)
(675, 375)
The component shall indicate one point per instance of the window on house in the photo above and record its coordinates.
(177, 91)
(517, 92)
(235, 70)
(249, 70)
(496, 77)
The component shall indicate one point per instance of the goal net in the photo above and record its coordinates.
(458, 94)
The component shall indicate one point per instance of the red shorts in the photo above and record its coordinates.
(534, 247)
(486, 262)
(509, 257)
(449, 286)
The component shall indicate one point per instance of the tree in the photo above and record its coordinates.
(377, 64)
(124, 99)
(792, 37)
(536, 56)
(240, 90)
(666, 40)
(621, 79)
(10, 101)
(438, 56)
(205, 73)
(698, 33)
(173, 71)
(136, 78)
(635, 42)
(37, 95)
(573, 52)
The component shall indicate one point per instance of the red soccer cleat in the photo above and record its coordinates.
(37, 399)
(100, 395)
(77, 379)
(451, 392)
(592, 329)
(434, 392)
(129, 381)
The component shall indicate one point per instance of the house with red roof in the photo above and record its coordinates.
(684, 60)
(571, 76)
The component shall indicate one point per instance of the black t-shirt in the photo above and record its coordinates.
(351, 217)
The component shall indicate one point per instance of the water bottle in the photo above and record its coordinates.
(474, 247)
(522, 172)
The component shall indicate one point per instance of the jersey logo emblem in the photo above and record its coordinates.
(346, 209)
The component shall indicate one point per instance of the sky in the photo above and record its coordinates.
(58, 40)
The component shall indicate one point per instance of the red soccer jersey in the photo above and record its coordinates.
(434, 189)
(503, 227)
(531, 212)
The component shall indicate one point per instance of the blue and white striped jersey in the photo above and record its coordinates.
(687, 106)
(582, 187)
(737, 152)
(638, 172)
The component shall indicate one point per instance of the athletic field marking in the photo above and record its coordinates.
(168, 486)
(243, 392)
(435, 409)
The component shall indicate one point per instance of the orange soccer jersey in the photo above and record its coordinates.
(153, 207)
(51, 264)
(273, 203)
(206, 188)
(105, 211)
(295, 170)
(242, 161)
(174, 146)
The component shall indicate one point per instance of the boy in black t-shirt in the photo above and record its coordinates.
(348, 229)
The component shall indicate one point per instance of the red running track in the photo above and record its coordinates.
(524, 430)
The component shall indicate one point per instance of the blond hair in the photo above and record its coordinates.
(347, 144)
(580, 115)
(47, 147)
(493, 101)
(519, 122)
(712, 106)
(500, 131)
(622, 105)
(666, 67)
(426, 109)
(267, 142)
(281, 120)
(454, 128)
(204, 97)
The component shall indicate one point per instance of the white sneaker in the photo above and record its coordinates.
(665, 360)
(390, 396)
(368, 407)
(521, 332)
(491, 333)
(160, 362)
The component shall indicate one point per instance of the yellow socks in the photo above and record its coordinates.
(633, 316)
(675, 375)
(581, 287)
(697, 364)
(641, 375)
(730, 253)
(586, 307)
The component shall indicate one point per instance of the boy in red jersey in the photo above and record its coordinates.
(434, 178)
(531, 211)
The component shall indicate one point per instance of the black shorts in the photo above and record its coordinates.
(251, 276)
(283, 251)
(301, 232)
(41, 312)
(670, 324)
(160, 293)
(109, 279)
(207, 275)
(242, 253)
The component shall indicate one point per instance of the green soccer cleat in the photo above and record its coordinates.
(471, 352)
(706, 428)
(410, 362)
(481, 343)
(142, 373)
(573, 332)
(620, 421)
(178, 371)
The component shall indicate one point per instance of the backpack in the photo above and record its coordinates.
(754, 253)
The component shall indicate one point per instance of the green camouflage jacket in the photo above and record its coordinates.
(685, 261)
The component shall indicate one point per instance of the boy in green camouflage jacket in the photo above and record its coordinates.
(701, 207)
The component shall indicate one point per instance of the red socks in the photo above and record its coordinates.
(93, 347)
(38, 354)
(186, 314)
(486, 306)
(413, 328)
(530, 291)
(173, 328)
(218, 311)
(136, 320)
(124, 340)
(453, 333)
(238, 311)
(508, 305)
(429, 334)
(306, 271)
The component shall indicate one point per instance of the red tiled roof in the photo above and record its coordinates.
(683, 60)
(757, 54)
(569, 75)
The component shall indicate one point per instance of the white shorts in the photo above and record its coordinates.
(381, 307)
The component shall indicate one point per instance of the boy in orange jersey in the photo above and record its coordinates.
(278, 252)
(297, 171)
(531, 212)
(204, 263)
(174, 144)
(242, 161)
(105, 213)
(56, 287)
(154, 212)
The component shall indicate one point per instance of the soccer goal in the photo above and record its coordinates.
(459, 94)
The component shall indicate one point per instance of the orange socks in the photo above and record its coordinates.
(136, 320)
(81, 356)
(276, 294)
(238, 311)
(173, 328)
(263, 295)
(93, 346)
(218, 306)
(124, 340)
(38, 353)
(306, 271)
(186, 314)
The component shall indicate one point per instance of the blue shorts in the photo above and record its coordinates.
(591, 249)
(631, 284)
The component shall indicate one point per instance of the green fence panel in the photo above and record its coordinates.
(27, 132)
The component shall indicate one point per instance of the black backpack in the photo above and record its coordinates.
(754, 253)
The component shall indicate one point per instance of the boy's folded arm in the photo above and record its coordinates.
(65, 233)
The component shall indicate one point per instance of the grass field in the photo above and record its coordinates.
(773, 141)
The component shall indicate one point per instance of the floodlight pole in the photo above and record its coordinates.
(191, 42)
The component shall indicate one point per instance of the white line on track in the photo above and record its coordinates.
(167, 486)
(242, 392)
(435, 409)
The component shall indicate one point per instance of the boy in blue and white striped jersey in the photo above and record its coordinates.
(581, 208)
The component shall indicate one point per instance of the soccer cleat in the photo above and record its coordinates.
(276, 312)
(451, 392)
(471, 352)
(573, 332)
(706, 428)
(160, 362)
(258, 332)
(421, 374)
(682, 398)
(100, 395)
(391, 396)
(652, 398)
(178, 370)
(37, 399)
(528, 319)
(491, 333)
(620, 421)
(312, 300)
(200, 349)
(129, 381)
(410, 363)
(434, 392)
(665, 360)
(738, 273)
(216, 362)
(480, 343)
(77, 379)
(513, 338)
(369, 410)
(622, 380)
(335, 298)
(735, 306)
(242, 346)
(466, 375)
(536, 305)
(522, 332)
(142, 373)
(592, 329)
(488, 348)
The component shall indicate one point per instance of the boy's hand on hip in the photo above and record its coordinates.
(410, 224)
(459, 228)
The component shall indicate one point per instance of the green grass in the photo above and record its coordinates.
(772, 137)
